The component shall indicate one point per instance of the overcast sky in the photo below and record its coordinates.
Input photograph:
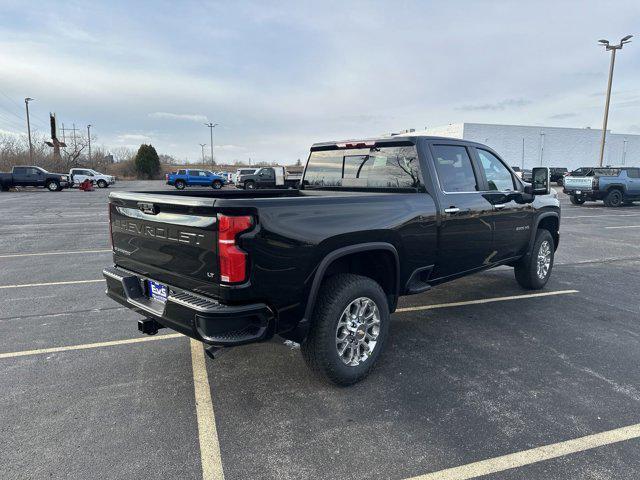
(279, 76)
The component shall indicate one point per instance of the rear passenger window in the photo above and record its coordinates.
(498, 176)
(454, 168)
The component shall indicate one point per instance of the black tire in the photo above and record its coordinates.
(102, 184)
(576, 200)
(53, 186)
(180, 184)
(249, 185)
(216, 185)
(613, 199)
(526, 269)
(320, 350)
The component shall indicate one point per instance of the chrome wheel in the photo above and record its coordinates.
(357, 331)
(544, 260)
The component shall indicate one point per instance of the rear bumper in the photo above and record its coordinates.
(588, 194)
(194, 315)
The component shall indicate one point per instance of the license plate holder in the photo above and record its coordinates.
(157, 291)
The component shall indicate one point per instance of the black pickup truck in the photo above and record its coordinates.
(325, 265)
(29, 176)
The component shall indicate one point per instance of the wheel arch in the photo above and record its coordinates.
(353, 259)
(548, 221)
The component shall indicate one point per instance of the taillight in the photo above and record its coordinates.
(232, 260)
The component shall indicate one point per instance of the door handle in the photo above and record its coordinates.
(451, 210)
(499, 206)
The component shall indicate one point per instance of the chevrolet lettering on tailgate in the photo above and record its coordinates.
(144, 230)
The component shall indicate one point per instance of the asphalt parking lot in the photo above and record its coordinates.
(480, 376)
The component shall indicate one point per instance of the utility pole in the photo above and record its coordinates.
(211, 127)
(522, 161)
(26, 104)
(612, 48)
(89, 139)
(202, 145)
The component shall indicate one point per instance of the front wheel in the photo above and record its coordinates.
(249, 185)
(216, 185)
(349, 328)
(576, 200)
(53, 186)
(102, 184)
(533, 271)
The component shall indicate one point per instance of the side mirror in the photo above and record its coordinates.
(541, 181)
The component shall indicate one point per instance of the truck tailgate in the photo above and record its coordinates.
(170, 239)
(578, 183)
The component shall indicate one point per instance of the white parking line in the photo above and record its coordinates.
(534, 455)
(66, 224)
(603, 215)
(625, 226)
(42, 254)
(70, 282)
(85, 346)
(484, 300)
(210, 456)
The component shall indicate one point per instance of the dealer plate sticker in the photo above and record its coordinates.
(157, 291)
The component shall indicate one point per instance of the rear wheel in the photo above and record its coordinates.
(349, 328)
(613, 198)
(576, 200)
(249, 185)
(53, 186)
(180, 184)
(533, 271)
(216, 185)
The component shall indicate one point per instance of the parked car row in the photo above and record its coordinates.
(32, 176)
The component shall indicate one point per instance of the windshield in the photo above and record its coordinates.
(607, 172)
(376, 167)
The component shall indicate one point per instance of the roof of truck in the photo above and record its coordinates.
(412, 137)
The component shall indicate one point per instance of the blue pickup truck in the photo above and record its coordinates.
(615, 185)
(190, 178)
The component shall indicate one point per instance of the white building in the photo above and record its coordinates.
(529, 146)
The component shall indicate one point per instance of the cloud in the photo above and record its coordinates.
(562, 116)
(133, 137)
(191, 117)
(501, 105)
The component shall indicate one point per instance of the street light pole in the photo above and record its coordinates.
(202, 145)
(89, 138)
(612, 48)
(211, 127)
(26, 104)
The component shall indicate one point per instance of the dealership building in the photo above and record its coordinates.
(530, 146)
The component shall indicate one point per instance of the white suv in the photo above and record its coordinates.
(79, 175)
